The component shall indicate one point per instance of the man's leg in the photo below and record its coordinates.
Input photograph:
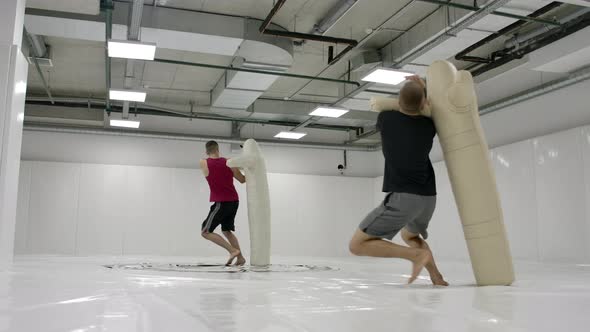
(213, 220)
(415, 241)
(363, 244)
(233, 240)
(220, 241)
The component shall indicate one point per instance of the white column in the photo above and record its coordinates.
(13, 86)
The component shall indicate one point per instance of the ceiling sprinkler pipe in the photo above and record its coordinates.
(108, 8)
(463, 55)
(335, 14)
(197, 138)
(495, 12)
(147, 109)
(519, 40)
(255, 71)
(578, 76)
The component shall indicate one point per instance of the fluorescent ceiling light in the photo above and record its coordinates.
(386, 76)
(127, 95)
(129, 49)
(290, 135)
(330, 112)
(124, 123)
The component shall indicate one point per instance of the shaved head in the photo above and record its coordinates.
(411, 97)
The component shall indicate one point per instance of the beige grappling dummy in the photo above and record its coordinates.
(453, 108)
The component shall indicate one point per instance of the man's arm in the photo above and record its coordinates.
(204, 168)
(238, 175)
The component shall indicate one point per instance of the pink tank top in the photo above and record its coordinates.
(221, 181)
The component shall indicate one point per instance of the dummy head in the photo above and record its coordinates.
(251, 147)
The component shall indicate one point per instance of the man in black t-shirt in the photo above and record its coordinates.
(410, 186)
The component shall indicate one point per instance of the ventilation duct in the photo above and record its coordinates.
(187, 31)
(39, 51)
(88, 7)
(238, 89)
(365, 61)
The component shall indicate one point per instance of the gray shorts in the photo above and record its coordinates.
(397, 211)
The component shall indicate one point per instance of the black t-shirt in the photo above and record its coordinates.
(407, 141)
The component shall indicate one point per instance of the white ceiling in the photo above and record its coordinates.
(78, 69)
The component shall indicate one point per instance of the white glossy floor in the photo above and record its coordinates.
(78, 294)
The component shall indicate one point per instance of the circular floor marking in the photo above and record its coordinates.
(215, 268)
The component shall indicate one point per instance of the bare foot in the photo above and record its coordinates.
(241, 261)
(418, 263)
(438, 280)
(233, 255)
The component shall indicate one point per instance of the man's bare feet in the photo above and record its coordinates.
(241, 261)
(438, 280)
(233, 255)
(418, 263)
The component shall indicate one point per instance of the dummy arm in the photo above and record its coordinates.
(241, 162)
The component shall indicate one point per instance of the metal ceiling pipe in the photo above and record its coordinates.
(395, 15)
(108, 8)
(494, 12)
(333, 16)
(362, 136)
(256, 71)
(134, 27)
(271, 14)
(135, 16)
(463, 55)
(519, 40)
(194, 138)
(360, 87)
(491, 6)
(36, 55)
(37, 45)
(305, 36)
(454, 30)
(578, 76)
(508, 55)
(161, 111)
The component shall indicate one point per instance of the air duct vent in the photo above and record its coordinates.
(43, 62)
(365, 61)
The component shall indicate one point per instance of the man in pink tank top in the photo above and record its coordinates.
(225, 202)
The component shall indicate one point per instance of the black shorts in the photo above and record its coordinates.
(221, 213)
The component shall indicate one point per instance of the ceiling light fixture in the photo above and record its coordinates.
(386, 76)
(290, 135)
(129, 49)
(127, 95)
(124, 123)
(330, 112)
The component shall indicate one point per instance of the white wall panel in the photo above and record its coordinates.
(515, 175)
(560, 196)
(135, 210)
(53, 208)
(149, 214)
(586, 153)
(115, 150)
(544, 185)
(21, 243)
(101, 209)
(329, 211)
(13, 82)
(445, 232)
